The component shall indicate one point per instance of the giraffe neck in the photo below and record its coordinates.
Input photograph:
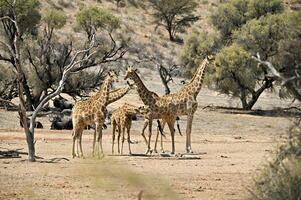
(146, 96)
(102, 95)
(117, 94)
(197, 80)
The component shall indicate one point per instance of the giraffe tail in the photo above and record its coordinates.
(160, 128)
(178, 126)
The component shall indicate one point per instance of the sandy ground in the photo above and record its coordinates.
(234, 146)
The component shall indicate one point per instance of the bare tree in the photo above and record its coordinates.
(292, 83)
(76, 61)
(167, 74)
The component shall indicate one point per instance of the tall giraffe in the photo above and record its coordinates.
(150, 99)
(172, 105)
(92, 111)
(184, 102)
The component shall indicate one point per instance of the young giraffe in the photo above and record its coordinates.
(122, 119)
(170, 106)
(92, 111)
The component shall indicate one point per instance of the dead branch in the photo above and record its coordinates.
(14, 154)
(288, 82)
(66, 72)
(53, 160)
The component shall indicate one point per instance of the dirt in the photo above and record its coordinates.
(231, 147)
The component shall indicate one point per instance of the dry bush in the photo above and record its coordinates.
(281, 179)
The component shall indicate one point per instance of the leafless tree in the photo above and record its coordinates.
(167, 74)
(74, 65)
(50, 57)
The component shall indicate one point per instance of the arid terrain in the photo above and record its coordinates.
(232, 146)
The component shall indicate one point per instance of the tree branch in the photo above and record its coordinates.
(287, 82)
(67, 70)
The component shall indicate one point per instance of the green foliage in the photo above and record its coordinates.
(234, 71)
(55, 19)
(174, 15)
(252, 26)
(289, 51)
(230, 16)
(28, 16)
(281, 179)
(93, 18)
(261, 35)
(258, 8)
(198, 45)
(234, 14)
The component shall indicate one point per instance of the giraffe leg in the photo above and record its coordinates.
(77, 146)
(143, 130)
(122, 138)
(99, 139)
(188, 133)
(94, 142)
(171, 125)
(113, 135)
(149, 136)
(163, 124)
(157, 136)
(118, 138)
(73, 143)
(81, 155)
(129, 138)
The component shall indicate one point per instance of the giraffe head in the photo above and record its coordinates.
(130, 72)
(112, 76)
(143, 110)
(210, 58)
(131, 85)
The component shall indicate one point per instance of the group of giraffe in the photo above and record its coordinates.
(165, 108)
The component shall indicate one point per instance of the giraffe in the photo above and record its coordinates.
(150, 99)
(163, 122)
(168, 107)
(92, 111)
(122, 119)
(184, 102)
(114, 96)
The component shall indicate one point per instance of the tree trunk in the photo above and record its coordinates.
(171, 37)
(167, 90)
(163, 79)
(29, 101)
(243, 98)
(23, 118)
(256, 94)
